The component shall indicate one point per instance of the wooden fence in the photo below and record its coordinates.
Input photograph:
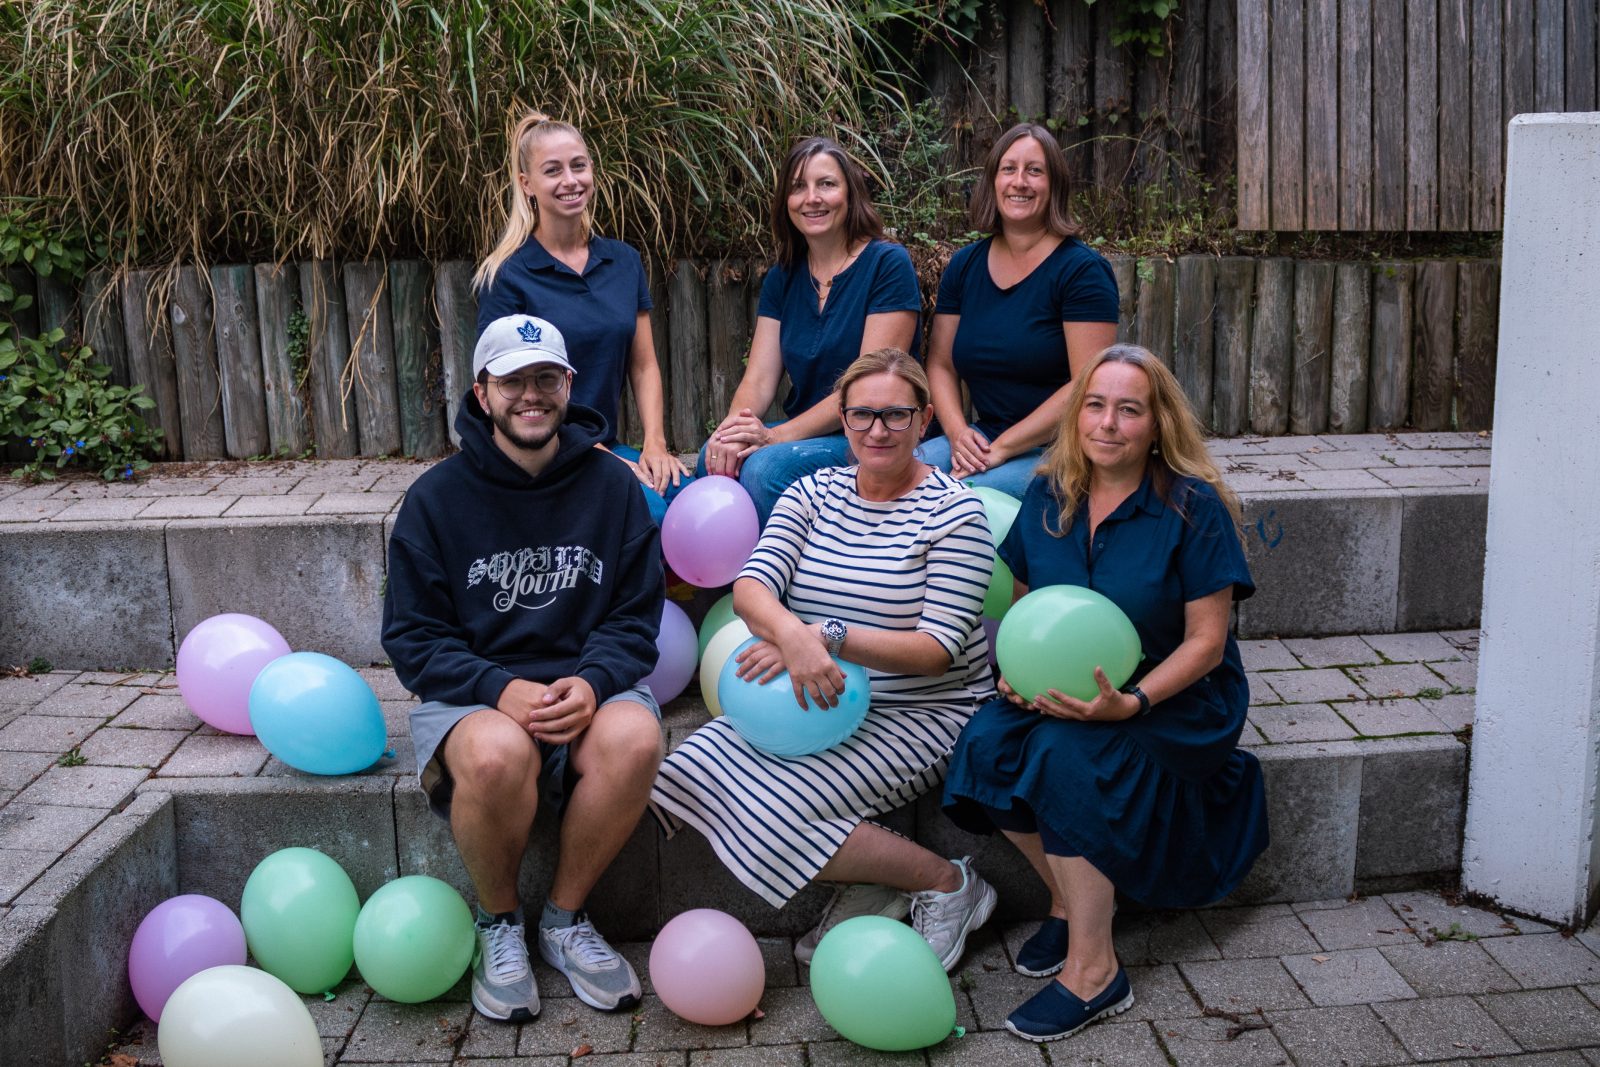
(370, 359)
(1391, 114)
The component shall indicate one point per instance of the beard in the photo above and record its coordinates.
(531, 439)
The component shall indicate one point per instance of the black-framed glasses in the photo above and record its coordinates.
(546, 381)
(861, 419)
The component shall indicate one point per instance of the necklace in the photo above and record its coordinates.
(822, 286)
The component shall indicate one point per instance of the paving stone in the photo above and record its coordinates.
(45, 733)
(1443, 1027)
(1205, 1043)
(1357, 976)
(34, 687)
(188, 507)
(659, 1029)
(1267, 655)
(189, 485)
(791, 1015)
(793, 1056)
(112, 747)
(84, 787)
(1431, 915)
(1412, 477)
(40, 827)
(491, 1039)
(321, 483)
(257, 485)
(565, 1024)
(401, 480)
(1267, 930)
(21, 511)
(1331, 651)
(133, 679)
(92, 510)
(157, 711)
(1163, 937)
(406, 1033)
(1456, 439)
(1341, 479)
(1540, 961)
(268, 506)
(1312, 686)
(355, 504)
(1541, 1019)
(1260, 685)
(17, 769)
(1364, 923)
(338, 1017)
(1457, 674)
(221, 756)
(1244, 985)
(1349, 1036)
(1412, 647)
(87, 701)
(1290, 723)
(999, 994)
(385, 686)
(1390, 717)
(19, 867)
(1352, 459)
(1448, 968)
(1396, 680)
(1456, 711)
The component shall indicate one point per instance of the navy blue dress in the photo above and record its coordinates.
(1165, 805)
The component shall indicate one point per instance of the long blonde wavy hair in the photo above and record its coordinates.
(1179, 450)
(522, 213)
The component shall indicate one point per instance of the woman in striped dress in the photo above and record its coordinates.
(884, 564)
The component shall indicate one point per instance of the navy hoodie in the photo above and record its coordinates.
(494, 575)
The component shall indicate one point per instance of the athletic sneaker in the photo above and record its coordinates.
(502, 980)
(850, 902)
(1056, 1012)
(945, 919)
(601, 978)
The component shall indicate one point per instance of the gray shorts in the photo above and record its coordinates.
(432, 721)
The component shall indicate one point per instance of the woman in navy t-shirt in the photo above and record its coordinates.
(549, 263)
(1020, 314)
(836, 291)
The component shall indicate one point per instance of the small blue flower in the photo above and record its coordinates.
(30, 442)
(128, 473)
(71, 450)
(80, 444)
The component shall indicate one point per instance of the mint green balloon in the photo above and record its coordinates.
(414, 939)
(720, 615)
(299, 914)
(1002, 512)
(1056, 636)
(880, 985)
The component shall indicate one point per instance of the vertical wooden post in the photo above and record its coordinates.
(1192, 353)
(1271, 342)
(238, 337)
(1355, 114)
(1478, 305)
(151, 362)
(1026, 41)
(728, 337)
(199, 386)
(1155, 314)
(1113, 122)
(1550, 47)
(366, 292)
(1255, 131)
(284, 372)
(1352, 347)
(1455, 115)
(102, 323)
(1422, 114)
(1126, 271)
(1390, 376)
(1322, 114)
(1220, 133)
(1288, 114)
(458, 334)
(1230, 388)
(1313, 341)
(1434, 345)
(418, 369)
(58, 307)
(1488, 119)
(333, 410)
(1389, 122)
(1072, 59)
(690, 375)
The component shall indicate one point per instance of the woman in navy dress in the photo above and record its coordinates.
(837, 290)
(1020, 314)
(1142, 790)
(550, 263)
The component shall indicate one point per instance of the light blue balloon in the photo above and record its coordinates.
(317, 715)
(768, 717)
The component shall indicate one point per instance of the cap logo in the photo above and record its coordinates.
(530, 333)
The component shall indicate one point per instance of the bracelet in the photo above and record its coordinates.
(1144, 701)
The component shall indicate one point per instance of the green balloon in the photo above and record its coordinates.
(1056, 636)
(414, 939)
(880, 985)
(720, 615)
(1002, 511)
(299, 913)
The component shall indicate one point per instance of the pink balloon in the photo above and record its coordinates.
(678, 645)
(709, 531)
(178, 939)
(707, 968)
(217, 663)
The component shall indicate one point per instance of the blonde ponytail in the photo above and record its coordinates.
(522, 213)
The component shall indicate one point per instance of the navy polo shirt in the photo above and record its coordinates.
(818, 345)
(1009, 348)
(596, 312)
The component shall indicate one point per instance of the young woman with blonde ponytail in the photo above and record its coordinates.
(549, 263)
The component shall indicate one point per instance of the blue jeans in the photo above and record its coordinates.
(1011, 477)
(658, 503)
(768, 471)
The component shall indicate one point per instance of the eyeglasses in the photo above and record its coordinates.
(545, 381)
(895, 419)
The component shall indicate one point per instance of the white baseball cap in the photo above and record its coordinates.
(509, 344)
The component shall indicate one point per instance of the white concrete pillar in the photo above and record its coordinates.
(1531, 840)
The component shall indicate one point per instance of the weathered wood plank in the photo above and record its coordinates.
(1549, 55)
(1230, 341)
(1288, 88)
(1477, 338)
(1518, 34)
(1355, 114)
(457, 305)
(1322, 115)
(1422, 114)
(689, 372)
(58, 308)
(1192, 352)
(284, 370)
(990, 73)
(1070, 98)
(1351, 347)
(1580, 59)
(728, 334)
(1389, 118)
(333, 409)
(1026, 41)
(195, 350)
(661, 333)
(238, 338)
(1455, 115)
(1157, 286)
(1152, 154)
(151, 362)
(1433, 345)
(1222, 90)
(1186, 102)
(1125, 269)
(1271, 346)
(1113, 105)
(1389, 371)
(418, 363)
(102, 322)
(1313, 345)
(1488, 164)
(366, 294)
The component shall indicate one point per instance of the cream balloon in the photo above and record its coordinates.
(239, 1016)
(718, 649)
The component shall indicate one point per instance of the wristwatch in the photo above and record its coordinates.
(1144, 701)
(833, 633)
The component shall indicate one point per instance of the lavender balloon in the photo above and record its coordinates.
(709, 531)
(178, 939)
(676, 646)
(219, 661)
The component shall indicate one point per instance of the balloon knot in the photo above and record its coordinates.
(327, 995)
(388, 753)
(961, 1031)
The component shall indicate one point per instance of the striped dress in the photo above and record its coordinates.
(921, 562)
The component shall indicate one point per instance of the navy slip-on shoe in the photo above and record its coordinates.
(1056, 1012)
(1045, 952)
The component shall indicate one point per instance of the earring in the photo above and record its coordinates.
(1155, 448)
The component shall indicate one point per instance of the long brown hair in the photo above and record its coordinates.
(984, 209)
(1179, 450)
(861, 218)
(522, 213)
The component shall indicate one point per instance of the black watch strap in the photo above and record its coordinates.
(1144, 701)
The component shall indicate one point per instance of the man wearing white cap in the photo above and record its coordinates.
(522, 606)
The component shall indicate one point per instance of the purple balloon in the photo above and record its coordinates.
(219, 661)
(709, 531)
(178, 939)
(677, 645)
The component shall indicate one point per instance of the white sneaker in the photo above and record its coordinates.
(601, 978)
(850, 902)
(502, 980)
(945, 919)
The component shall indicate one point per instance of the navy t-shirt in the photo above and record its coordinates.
(596, 312)
(1009, 348)
(818, 345)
